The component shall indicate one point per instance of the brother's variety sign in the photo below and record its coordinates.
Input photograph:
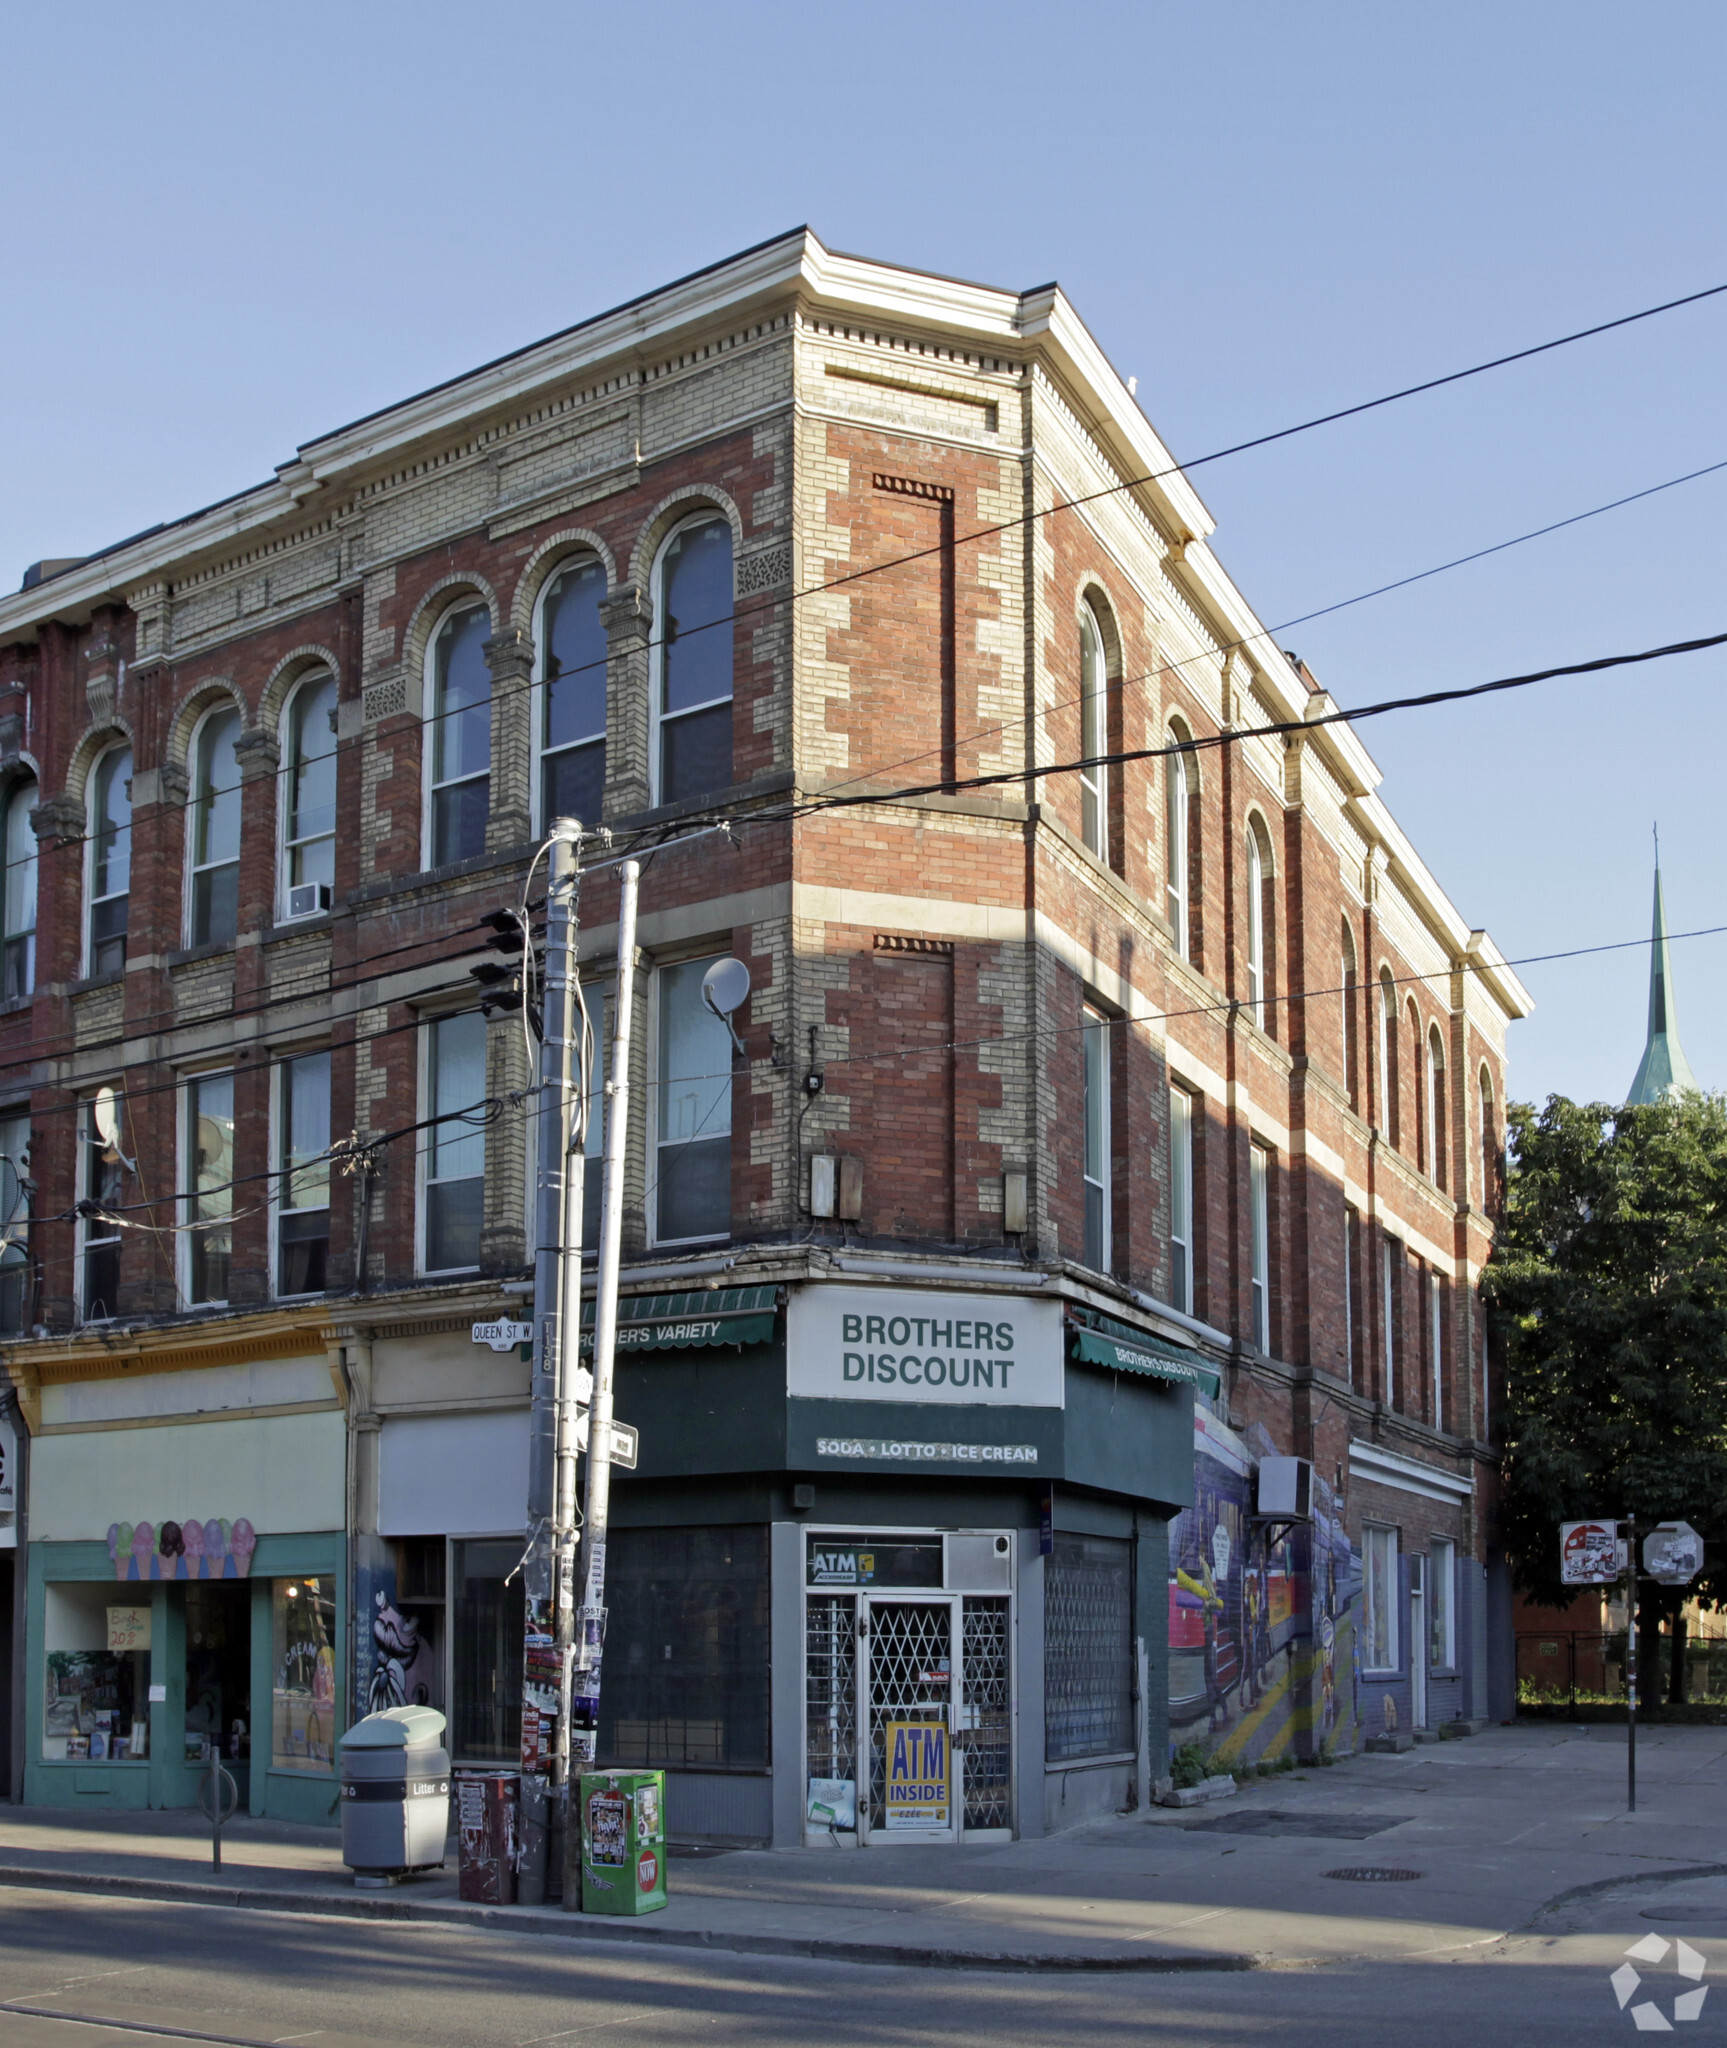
(877, 1344)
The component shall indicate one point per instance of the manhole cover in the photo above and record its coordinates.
(1373, 1873)
(1265, 1820)
(1684, 1912)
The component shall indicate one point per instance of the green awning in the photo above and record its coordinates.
(703, 1317)
(1100, 1340)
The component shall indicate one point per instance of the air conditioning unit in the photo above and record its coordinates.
(1286, 1488)
(308, 899)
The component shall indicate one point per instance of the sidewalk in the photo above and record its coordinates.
(1513, 1827)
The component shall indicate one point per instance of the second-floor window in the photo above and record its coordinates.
(1259, 1238)
(110, 841)
(693, 661)
(459, 789)
(1436, 1344)
(1094, 1049)
(215, 907)
(15, 1291)
(101, 1189)
(693, 1111)
(1181, 1201)
(1093, 734)
(453, 1147)
(1391, 1262)
(303, 1166)
(309, 798)
(572, 709)
(18, 942)
(208, 1153)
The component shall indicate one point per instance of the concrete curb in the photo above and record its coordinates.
(554, 1925)
(1601, 1885)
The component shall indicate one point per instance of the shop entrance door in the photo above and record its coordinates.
(909, 1668)
(218, 1713)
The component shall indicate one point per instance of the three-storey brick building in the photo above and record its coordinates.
(1116, 1106)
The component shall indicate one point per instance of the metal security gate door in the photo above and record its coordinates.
(984, 1738)
(907, 1672)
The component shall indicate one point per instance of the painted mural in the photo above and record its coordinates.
(1263, 1658)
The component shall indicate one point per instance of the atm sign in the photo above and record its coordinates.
(918, 1757)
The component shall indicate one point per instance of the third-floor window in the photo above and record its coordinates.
(693, 660)
(110, 813)
(18, 958)
(208, 1156)
(572, 708)
(215, 892)
(459, 788)
(309, 798)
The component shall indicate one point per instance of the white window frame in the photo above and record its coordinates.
(700, 516)
(187, 1150)
(1387, 1008)
(542, 691)
(313, 679)
(423, 1151)
(85, 1179)
(1484, 1092)
(20, 798)
(1094, 1042)
(122, 746)
(1257, 870)
(655, 1085)
(1435, 1107)
(1181, 1112)
(1385, 1581)
(1436, 1343)
(223, 707)
(1259, 1240)
(1093, 729)
(1347, 992)
(1177, 800)
(470, 601)
(1441, 1604)
(279, 1176)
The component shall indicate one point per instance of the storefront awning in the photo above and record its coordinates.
(1099, 1340)
(697, 1320)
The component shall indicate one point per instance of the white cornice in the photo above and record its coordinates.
(1407, 1475)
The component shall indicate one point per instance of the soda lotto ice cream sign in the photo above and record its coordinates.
(881, 1344)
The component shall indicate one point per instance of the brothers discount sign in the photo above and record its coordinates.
(896, 1379)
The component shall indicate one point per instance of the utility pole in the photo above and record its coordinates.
(590, 1639)
(548, 1570)
(1630, 1529)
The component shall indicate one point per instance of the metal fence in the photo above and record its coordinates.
(1564, 1671)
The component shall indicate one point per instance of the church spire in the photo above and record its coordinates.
(1664, 1068)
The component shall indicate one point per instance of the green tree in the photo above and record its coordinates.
(1610, 1280)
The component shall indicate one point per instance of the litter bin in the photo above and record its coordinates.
(395, 1793)
(623, 1841)
(486, 1803)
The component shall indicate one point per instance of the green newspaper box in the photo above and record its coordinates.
(623, 1841)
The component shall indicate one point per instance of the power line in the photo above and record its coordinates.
(1069, 504)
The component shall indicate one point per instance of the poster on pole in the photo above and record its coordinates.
(1588, 1553)
(1673, 1553)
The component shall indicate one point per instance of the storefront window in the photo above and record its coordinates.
(303, 1692)
(686, 1669)
(486, 1664)
(98, 1675)
(1088, 1648)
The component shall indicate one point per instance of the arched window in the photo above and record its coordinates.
(309, 796)
(570, 731)
(1258, 908)
(1387, 1118)
(1175, 841)
(1436, 1103)
(1093, 734)
(18, 942)
(109, 807)
(1347, 1041)
(1417, 1085)
(1489, 1147)
(693, 660)
(460, 785)
(215, 887)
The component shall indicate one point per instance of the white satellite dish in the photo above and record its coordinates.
(105, 1115)
(725, 988)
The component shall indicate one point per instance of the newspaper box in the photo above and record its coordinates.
(486, 1831)
(623, 1841)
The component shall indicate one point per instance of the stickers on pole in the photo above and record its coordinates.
(918, 1761)
(1589, 1553)
(1673, 1553)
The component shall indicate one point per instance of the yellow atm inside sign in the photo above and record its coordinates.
(918, 1759)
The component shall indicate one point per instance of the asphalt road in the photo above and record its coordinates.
(145, 1972)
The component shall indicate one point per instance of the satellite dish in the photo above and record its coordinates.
(105, 1115)
(725, 988)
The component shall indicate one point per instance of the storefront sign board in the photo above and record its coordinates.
(917, 1759)
(916, 1345)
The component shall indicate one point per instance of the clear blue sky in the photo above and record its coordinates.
(229, 229)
